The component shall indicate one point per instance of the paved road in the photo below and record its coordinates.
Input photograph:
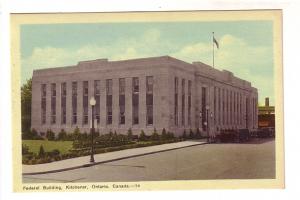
(255, 160)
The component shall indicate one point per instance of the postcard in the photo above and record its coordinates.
(147, 101)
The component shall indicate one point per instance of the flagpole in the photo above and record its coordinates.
(213, 49)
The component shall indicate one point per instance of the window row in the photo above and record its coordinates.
(109, 101)
(183, 101)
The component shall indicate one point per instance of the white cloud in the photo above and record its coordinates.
(236, 55)
(252, 63)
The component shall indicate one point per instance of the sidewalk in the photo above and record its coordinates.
(79, 162)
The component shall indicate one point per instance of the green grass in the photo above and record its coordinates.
(34, 145)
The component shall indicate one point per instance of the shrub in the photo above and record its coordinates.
(184, 135)
(62, 135)
(170, 135)
(41, 152)
(31, 135)
(164, 135)
(76, 133)
(25, 149)
(154, 135)
(50, 135)
(129, 134)
(142, 136)
(198, 133)
(191, 136)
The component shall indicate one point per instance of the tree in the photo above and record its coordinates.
(154, 135)
(184, 135)
(129, 134)
(50, 135)
(142, 136)
(164, 135)
(191, 136)
(76, 133)
(198, 133)
(62, 135)
(41, 152)
(26, 97)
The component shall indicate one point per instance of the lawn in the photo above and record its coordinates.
(34, 145)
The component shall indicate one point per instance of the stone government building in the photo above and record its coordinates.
(142, 94)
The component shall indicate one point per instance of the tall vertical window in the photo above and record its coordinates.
(223, 107)
(135, 100)
(122, 101)
(183, 102)
(109, 101)
(241, 109)
(74, 102)
(176, 102)
(231, 107)
(219, 106)
(43, 103)
(63, 97)
(215, 104)
(85, 102)
(189, 101)
(53, 103)
(204, 122)
(97, 98)
(149, 100)
(227, 110)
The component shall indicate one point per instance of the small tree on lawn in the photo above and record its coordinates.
(76, 133)
(25, 149)
(62, 135)
(129, 134)
(154, 135)
(41, 152)
(198, 134)
(50, 135)
(164, 135)
(142, 136)
(191, 136)
(170, 135)
(184, 135)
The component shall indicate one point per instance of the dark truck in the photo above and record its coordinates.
(232, 135)
(266, 132)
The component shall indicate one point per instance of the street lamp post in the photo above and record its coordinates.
(92, 103)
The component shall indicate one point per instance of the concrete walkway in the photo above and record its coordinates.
(79, 162)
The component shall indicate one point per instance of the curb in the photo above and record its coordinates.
(107, 161)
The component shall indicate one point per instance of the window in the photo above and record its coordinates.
(122, 100)
(183, 102)
(149, 100)
(53, 103)
(215, 104)
(43, 103)
(135, 100)
(189, 101)
(219, 106)
(204, 122)
(85, 102)
(223, 106)
(109, 101)
(63, 102)
(176, 102)
(74, 102)
(97, 98)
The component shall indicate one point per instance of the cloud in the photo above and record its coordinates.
(253, 63)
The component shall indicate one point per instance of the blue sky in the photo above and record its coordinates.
(246, 47)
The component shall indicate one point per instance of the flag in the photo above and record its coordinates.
(216, 42)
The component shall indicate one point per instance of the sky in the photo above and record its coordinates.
(245, 47)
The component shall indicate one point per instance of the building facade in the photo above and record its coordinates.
(142, 94)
